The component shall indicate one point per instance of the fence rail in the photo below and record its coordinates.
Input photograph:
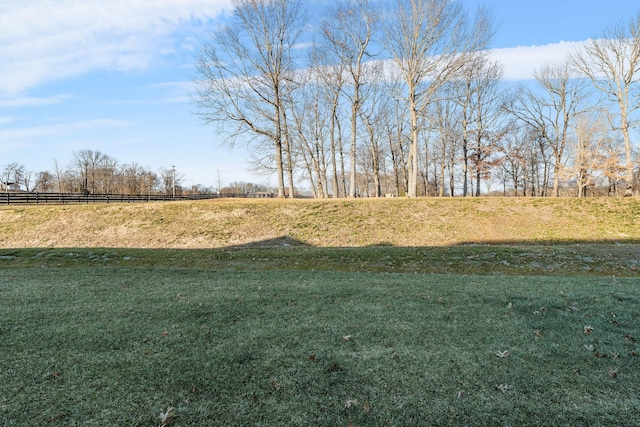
(10, 198)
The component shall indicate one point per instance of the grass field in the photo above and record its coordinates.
(279, 331)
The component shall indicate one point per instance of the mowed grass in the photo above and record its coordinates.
(321, 313)
(100, 345)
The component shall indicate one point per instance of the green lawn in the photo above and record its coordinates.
(119, 345)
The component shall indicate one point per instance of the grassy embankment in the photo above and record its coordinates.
(321, 313)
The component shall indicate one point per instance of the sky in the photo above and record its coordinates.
(115, 76)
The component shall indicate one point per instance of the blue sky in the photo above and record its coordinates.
(114, 75)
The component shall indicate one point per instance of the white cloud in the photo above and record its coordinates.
(44, 40)
(521, 62)
(29, 101)
(6, 119)
(17, 134)
(179, 92)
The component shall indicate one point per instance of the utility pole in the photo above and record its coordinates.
(173, 181)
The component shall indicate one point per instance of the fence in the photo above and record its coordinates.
(10, 198)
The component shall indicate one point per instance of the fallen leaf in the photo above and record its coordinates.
(613, 374)
(346, 337)
(275, 384)
(366, 407)
(503, 354)
(334, 368)
(165, 334)
(502, 388)
(57, 417)
(537, 333)
(350, 403)
(167, 417)
(394, 355)
(629, 338)
(312, 357)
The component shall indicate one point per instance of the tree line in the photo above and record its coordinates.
(402, 98)
(91, 172)
(94, 172)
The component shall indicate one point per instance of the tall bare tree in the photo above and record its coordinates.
(245, 76)
(347, 32)
(330, 77)
(552, 110)
(446, 118)
(89, 164)
(430, 41)
(310, 121)
(612, 63)
(480, 100)
(591, 131)
(374, 114)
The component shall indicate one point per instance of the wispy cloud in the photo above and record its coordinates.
(59, 129)
(179, 92)
(6, 119)
(44, 40)
(29, 101)
(521, 62)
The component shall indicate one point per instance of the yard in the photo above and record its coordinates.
(138, 346)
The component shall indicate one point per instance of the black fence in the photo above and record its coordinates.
(10, 198)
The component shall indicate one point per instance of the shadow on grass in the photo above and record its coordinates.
(550, 257)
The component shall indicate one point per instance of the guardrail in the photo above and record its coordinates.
(10, 198)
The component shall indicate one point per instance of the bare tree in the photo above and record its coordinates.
(330, 75)
(430, 41)
(246, 75)
(612, 63)
(480, 100)
(12, 176)
(613, 168)
(310, 119)
(90, 165)
(552, 111)
(375, 114)
(446, 118)
(170, 180)
(44, 182)
(347, 32)
(591, 136)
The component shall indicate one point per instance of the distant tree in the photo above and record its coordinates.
(12, 176)
(591, 139)
(89, 165)
(481, 100)
(429, 42)
(446, 118)
(612, 63)
(374, 114)
(170, 180)
(311, 118)
(44, 182)
(347, 32)
(245, 76)
(552, 111)
(330, 77)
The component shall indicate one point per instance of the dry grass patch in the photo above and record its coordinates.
(322, 223)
